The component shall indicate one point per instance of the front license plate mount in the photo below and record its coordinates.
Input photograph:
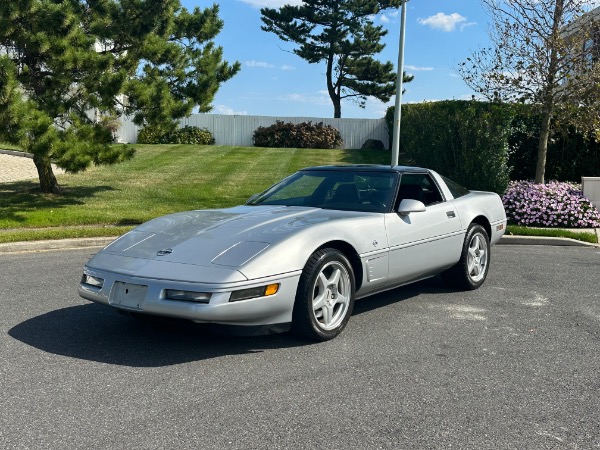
(127, 295)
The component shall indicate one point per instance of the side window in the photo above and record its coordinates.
(455, 189)
(419, 186)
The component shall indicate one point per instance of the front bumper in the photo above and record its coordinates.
(275, 309)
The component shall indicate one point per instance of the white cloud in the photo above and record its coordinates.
(319, 98)
(266, 65)
(446, 22)
(271, 3)
(388, 16)
(226, 110)
(262, 64)
(418, 69)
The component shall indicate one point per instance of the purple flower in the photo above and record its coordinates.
(556, 204)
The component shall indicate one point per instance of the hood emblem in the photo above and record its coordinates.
(164, 252)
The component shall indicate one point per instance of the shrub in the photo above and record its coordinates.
(185, 135)
(302, 135)
(556, 204)
(191, 135)
(466, 141)
(150, 135)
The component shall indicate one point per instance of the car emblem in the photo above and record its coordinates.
(164, 252)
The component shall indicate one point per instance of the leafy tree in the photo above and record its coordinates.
(79, 63)
(544, 53)
(340, 33)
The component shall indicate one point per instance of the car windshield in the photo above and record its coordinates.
(334, 189)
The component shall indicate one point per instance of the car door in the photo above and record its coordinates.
(422, 243)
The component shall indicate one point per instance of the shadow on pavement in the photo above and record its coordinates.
(97, 333)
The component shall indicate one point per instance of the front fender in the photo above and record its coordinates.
(365, 234)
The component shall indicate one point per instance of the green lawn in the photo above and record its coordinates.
(552, 232)
(162, 179)
(4, 146)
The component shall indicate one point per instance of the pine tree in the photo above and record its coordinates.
(78, 63)
(342, 34)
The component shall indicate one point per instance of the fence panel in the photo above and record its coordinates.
(238, 130)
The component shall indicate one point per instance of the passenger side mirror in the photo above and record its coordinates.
(408, 205)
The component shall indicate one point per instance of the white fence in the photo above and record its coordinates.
(238, 130)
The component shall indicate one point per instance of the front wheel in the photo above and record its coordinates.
(325, 296)
(472, 269)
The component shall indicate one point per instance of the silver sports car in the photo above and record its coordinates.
(297, 255)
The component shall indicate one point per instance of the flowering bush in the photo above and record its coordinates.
(554, 204)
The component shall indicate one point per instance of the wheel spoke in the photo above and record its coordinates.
(327, 315)
(335, 277)
(471, 265)
(322, 282)
(476, 269)
(472, 252)
(343, 300)
(319, 301)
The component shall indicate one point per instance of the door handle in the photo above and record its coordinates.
(451, 214)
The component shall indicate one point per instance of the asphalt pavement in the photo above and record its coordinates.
(513, 365)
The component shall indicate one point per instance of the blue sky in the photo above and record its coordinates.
(274, 82)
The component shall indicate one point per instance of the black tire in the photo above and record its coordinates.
(472, 269)
(325, 296)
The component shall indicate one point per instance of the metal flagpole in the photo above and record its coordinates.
(399, 81)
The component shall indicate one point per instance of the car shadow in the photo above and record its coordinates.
(98, 333)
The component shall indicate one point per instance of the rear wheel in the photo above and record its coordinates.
(325, 296)
(472, 269)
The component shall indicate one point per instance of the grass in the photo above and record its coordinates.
(4, 146)
(552, 232)
(33, 234)
(161, 179)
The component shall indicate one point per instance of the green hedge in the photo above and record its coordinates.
(466, 141)
(483, 145)
(185, 135)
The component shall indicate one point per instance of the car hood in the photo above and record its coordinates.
(222, 237)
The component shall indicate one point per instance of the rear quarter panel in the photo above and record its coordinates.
(486, 204)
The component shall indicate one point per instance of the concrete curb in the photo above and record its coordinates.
(15, 153)
(538, 240)
(60, 244)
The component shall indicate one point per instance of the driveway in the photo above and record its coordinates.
(17, 168)
(513, 365)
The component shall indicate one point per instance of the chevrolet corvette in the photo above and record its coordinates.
(298, 255)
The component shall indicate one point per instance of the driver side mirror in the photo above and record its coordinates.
(408, 205)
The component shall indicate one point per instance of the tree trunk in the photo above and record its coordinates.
(48, 183)
(549, 98)
(337, 107)
(331, 89)
(540, 169)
